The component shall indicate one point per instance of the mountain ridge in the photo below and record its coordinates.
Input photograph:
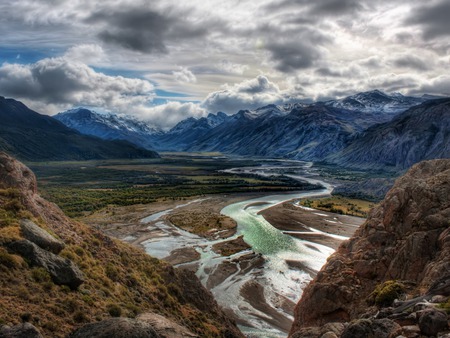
(35, 137)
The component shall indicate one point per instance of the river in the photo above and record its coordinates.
(274, 286)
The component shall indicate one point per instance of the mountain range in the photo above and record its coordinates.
(370, 130)
(34, 137)
(348, 132)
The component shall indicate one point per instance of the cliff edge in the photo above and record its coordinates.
(403, 248)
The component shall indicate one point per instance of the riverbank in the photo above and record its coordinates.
(224, 263)
(312, 225)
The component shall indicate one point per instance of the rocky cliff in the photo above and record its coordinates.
(402, 251)
(58, 275)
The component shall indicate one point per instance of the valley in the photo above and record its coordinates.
(254, 263)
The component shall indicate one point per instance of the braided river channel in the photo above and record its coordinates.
(262, 284)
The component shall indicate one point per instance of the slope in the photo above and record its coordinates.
(113, 279)
(35, 137)
(420, 133)
(109, 126)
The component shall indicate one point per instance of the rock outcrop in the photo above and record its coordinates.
(63, 271)
(406, 238)
(24, 330)
(117, 328)
(40, 237)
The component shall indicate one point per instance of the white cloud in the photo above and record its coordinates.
(61, 81)
(248, 94)
(170, 113)
(86, 53)
(232, 68)
(184, 75)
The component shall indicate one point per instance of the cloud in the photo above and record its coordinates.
(438, 86)
(248, 94)
(67, 82)
(336, 7)
(411, 61)
(144, 29)
(231, 68)
(184, 75)
(293, 49)
(433, 18)
(86, 53)
(170, 113)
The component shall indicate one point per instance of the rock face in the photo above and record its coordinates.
(63, 271)
(405, 238)
(25, 330)
(40, 237)
(116, 327)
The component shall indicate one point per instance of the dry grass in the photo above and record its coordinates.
(205, 224)
(120, 281)
(340, 205)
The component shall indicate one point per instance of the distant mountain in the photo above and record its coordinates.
(186, 132)
(420, 133)
(376, 101)
(109, 126)
(35, 137)
(301, 131)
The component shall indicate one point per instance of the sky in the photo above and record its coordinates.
(163, 61)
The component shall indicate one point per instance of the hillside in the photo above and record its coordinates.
(109, 126)
(58, 275)
(34, 137)
(400, 252)
(420, 133)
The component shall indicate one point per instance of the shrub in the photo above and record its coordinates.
(40, 275)
(80, 317)
(114, 310)
(385, 294)
(8, 260)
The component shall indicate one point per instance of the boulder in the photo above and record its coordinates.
(165, 327)
(117, 328)
(376, 328)
(63, 271)
(432, 321)
(40, 237)
(329, 335)
(24, 330)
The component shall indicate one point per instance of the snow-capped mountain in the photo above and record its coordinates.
(109, 126)
(419, 133)
(377, 101)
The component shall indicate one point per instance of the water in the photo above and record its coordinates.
(279, 280)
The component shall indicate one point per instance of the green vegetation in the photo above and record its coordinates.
(385, 294)
(340, 205)
(80, 187)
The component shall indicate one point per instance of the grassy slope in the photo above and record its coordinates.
(121, 280)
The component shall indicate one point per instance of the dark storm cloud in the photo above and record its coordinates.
(410, 61)
(145, 30)
(336, 7)
(290, 56)
(320, 8)
(434, 19)
(299, 48)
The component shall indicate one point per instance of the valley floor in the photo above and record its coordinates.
(149, 226)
